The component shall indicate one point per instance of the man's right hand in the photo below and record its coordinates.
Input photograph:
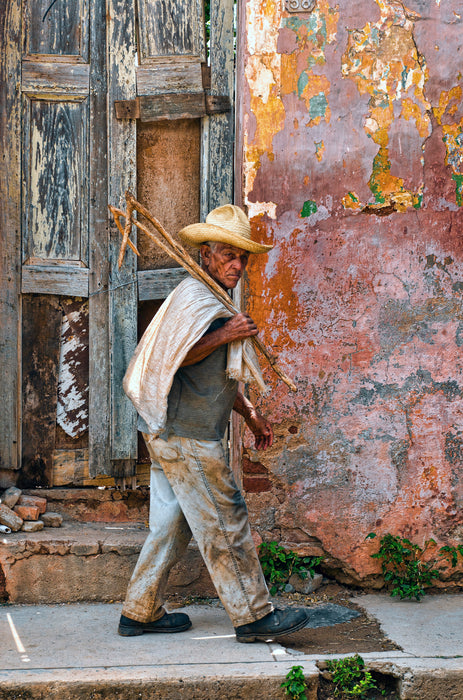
(239, 327)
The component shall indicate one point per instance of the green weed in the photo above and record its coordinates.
(350, 677)
(295, 685)
(404, 570)
(278, 564)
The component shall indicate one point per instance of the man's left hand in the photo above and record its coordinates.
(261, 429)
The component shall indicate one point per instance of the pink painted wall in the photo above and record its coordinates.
(351, 125)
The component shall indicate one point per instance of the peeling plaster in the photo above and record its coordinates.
(365, 313)
(384, 62)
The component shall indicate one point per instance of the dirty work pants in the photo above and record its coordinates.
(193, 491)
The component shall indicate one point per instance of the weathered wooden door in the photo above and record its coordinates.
(68, 152)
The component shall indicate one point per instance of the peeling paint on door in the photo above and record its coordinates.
(72, 408)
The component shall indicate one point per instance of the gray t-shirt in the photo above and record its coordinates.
(201, 397)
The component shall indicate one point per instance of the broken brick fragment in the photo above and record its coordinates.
(9, 518)
(27, 512)
(52, 519)
(32, 526)
(37, 501)
(11, 496)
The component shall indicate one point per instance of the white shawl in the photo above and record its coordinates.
(181, 321)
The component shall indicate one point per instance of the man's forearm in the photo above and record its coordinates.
(205, 346)
(236, 328)
(243, 406)
(259, 426)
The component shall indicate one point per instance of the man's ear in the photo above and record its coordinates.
(205, 251)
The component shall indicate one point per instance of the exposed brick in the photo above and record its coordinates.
(37, 501)
(27, 512)
(256, 484)
(253, 467)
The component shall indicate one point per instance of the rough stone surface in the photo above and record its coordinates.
(177, 689)
(439, 684)
(86, 562)
(11, 496)
(9, 518)
(354, 173)
(52, 519)
(97, 505)
(306, 585)
(32, 526)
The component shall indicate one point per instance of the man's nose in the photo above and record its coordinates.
(238, 265)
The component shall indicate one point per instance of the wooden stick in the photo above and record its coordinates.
(127, 232)
(176, 251)
(117, 213)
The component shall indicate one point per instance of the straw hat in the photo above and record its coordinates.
(227, 224)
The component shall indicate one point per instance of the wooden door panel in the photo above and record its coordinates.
(60, 29)
(170, 28)
(56, 184)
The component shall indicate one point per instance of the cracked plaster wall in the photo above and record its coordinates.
(352, 152)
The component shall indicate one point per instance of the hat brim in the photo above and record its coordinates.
(197, 234)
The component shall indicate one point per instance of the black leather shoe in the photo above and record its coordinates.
(275, 624)
(169, 622)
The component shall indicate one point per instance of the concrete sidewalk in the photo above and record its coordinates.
(72, 651)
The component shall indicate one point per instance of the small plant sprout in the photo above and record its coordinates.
(295, 684)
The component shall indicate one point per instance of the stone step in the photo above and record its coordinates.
(86, 562)
(101, 504)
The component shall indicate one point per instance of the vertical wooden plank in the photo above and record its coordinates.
(239, 99)
(99, 398)
(10, 186)
(123, 283)
(41, 349)
(219, 128)
(217, 157)
(55, 179)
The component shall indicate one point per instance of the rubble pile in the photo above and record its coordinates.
(19, 511)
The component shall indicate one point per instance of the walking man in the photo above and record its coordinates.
(183, 381)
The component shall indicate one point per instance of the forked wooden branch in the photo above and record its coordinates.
(176, 251)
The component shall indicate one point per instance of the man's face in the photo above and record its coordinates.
(224, 263)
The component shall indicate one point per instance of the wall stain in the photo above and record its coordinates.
(400, 322)
(411, 392)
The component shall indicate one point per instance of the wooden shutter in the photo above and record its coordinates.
(65, 68)
(64, 173)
